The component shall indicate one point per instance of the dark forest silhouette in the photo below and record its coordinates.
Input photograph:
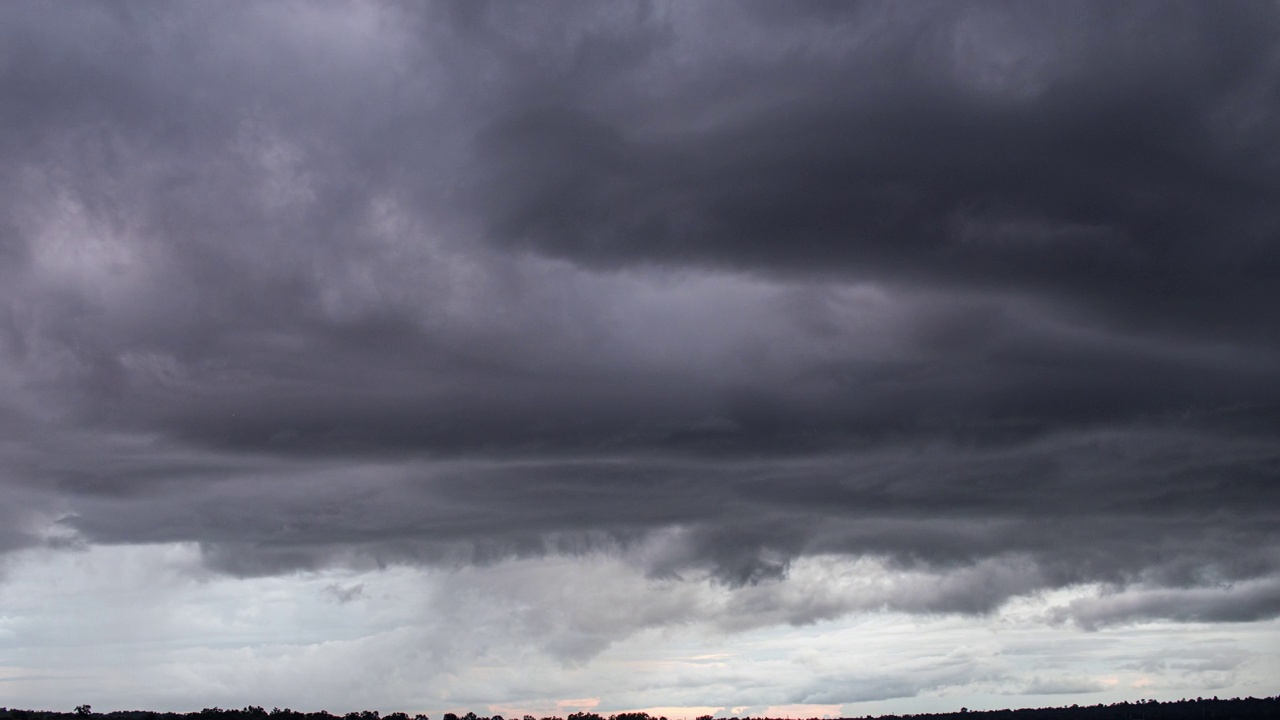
(1197, 709)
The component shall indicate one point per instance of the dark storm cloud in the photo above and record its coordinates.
(984, 291)
(998, 146)
(1252, 601)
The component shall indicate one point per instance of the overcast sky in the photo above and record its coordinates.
(755, 357)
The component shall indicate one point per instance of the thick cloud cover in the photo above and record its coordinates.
(985, 293)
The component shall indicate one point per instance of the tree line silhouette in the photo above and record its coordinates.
(1249, 708)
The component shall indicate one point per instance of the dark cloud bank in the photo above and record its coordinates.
(960, 286)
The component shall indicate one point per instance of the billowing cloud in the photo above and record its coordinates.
(836, 309)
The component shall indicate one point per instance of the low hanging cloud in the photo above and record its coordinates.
(1242, 602)
(983, 294)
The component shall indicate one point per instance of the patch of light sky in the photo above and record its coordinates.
(146, 626)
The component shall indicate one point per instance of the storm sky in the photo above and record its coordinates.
(802, 358)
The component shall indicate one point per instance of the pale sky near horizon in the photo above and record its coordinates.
(751, 358)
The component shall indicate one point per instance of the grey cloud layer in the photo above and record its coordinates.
(984, 290)
(1000, 147)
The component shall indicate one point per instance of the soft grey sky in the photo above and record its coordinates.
(791, 358)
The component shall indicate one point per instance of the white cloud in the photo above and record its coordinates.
(145, 626)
